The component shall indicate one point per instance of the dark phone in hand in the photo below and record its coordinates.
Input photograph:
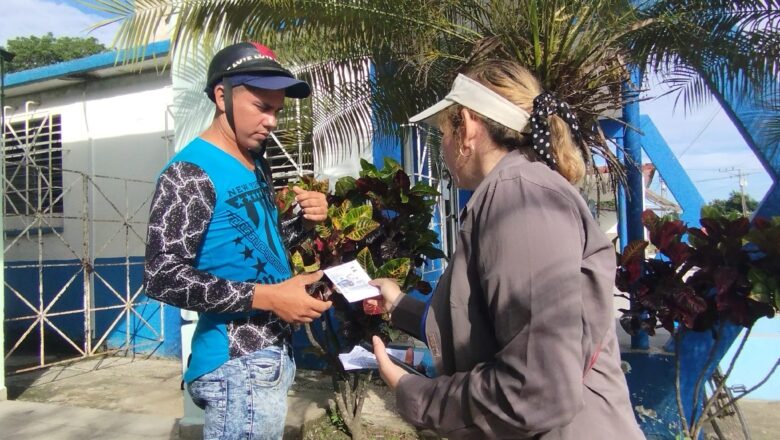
(406, 367)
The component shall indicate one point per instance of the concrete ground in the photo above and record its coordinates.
(134, 398)
(38, 421)
(122, 384)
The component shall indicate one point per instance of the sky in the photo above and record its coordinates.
(704, 140)
(707, 145)
(63, 18)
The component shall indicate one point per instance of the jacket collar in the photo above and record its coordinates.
(514, 157)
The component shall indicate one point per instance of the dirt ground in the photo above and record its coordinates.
(152, 386)
(124, 384)
(763, 418)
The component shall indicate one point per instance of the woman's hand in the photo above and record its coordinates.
(390, 372)
(390, 294)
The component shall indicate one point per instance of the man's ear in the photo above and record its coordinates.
(219, 97)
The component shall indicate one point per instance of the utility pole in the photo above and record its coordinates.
(742, 185)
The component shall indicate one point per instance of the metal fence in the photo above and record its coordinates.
(422, 163)
(73, 256)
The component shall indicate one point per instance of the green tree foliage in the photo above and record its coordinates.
(732, 206)
(32, 51)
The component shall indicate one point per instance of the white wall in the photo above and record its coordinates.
(112, 127)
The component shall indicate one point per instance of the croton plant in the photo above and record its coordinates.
(727, 269)
(378, 219)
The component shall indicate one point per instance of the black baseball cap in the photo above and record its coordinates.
(253, 65)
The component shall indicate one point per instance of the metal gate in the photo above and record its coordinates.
(73, 254)
(422, 162)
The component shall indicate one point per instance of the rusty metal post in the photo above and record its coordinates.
(86, 265)
(3, 56)
(128, 300)
(39, 233)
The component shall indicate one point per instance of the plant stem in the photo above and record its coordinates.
(313, 340)
(703, 373)
(733, 402)
(680, 409)
(712, 399)
(350, 395)
(360, 396)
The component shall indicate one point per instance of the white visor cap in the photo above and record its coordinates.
(473, 95)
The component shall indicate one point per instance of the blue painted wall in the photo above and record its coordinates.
(23, 277)
(650, 380)
(142, 335)
(25, 280)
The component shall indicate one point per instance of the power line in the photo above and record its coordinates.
(723, 178)
(698, 135)
(717, 169)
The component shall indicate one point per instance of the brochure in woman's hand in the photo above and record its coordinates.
(362, 358)
(352, 281)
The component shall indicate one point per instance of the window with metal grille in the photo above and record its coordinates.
(32, 154)
(290, 149)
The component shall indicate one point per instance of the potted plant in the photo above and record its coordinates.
(705, 285)
(383, 221)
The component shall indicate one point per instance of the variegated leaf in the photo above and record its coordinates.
(322, 230)
(355, 214)
(365, 260)
(362, 228)
(297, 261)
(396, 269)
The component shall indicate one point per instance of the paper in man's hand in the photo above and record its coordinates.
(352, 281)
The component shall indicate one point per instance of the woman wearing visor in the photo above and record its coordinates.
(521, 324)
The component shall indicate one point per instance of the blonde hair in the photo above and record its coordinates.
(515, 83)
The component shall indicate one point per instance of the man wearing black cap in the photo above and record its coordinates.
(215, 247)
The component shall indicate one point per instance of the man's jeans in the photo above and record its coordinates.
(246, 398)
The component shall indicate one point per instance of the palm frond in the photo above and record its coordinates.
(732, 43)
(139, 22)
(772, 127)
(764, 114)
(578, 48)
(416, 47)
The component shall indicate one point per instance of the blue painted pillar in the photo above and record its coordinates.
(621, 200)
(632, 145)
(383, 144)
(680, 184)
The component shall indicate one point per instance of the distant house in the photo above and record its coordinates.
(83, 142)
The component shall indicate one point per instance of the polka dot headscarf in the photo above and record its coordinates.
(546, 105)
